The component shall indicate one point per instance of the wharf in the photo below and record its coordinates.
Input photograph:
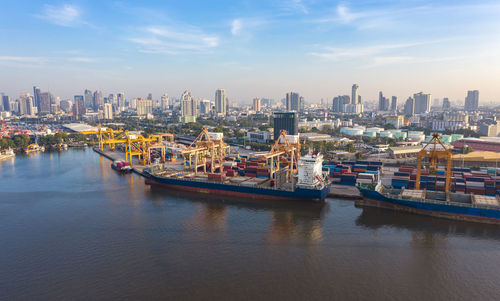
(120, 156)
(344, 191)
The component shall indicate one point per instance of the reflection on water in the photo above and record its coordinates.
(425, 229)
(289, 220)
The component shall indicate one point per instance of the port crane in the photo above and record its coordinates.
(435, 150)
(204, 147)
(135, 145)
(283, 148)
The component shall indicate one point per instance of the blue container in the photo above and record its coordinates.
(348, 183)
(401, 174)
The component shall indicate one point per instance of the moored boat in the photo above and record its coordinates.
(121, 166)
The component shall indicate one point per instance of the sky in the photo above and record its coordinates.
(252, 48)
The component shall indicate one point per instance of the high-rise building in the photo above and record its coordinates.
(45, 100)
(256, 104)
(220, 101)
(120, 101)
(394, 104)
(446, 104)
(36, 96)
(165, 102)
(355, 99)
(293, 101)
(339, 102)
(108, 111)
(88, 99)
(287, 121)
(66, 105)
(205, 106)
(150, 96)
(78, 107)
(383, 102)
(188, 104)
(422, 103)
(472, 100)
(98, 100)
(409, 108)
(6, 103)
(144, 107)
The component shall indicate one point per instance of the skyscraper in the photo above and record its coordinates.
(97, 101)
(88, 99)
(78, 107)
(286, 121)
(188, 104)
(256, 104)
(108, 111)
(394, 104)
(144, 106)
(339, 102)
(220, 101)
(293, 101)
(6, 103)
(422, 103)
(165, 102)
(355, 94)
(44, 102)
(409, 108)
(120, 99)
(36, 96)
(383, 102)
(446, 104)
(472, 100)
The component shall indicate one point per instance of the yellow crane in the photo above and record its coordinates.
(281, 149)
(435, 150)
(135, 145)
(203, 148)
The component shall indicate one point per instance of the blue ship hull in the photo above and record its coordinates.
(301, 194)
(438, 209)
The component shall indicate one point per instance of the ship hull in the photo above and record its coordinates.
(373, 198)
(300, 194)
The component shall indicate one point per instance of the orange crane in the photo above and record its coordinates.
(435, 150)
(283, 148)
(203, 148)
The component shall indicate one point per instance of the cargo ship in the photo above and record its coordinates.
(466, 195)
(458, 206)
(308, 184)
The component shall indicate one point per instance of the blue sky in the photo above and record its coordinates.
(252, 48)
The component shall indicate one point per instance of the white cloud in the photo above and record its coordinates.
(236, 26)
(169, 40)
(65, 15)
(22, 59)
(81, 59)
(344, 15)
(337, 53)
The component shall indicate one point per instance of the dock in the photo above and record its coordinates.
(120, 156)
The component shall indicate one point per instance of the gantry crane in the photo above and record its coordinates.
(135, 145)
(203, 148)
(283, 148)
(434, 150)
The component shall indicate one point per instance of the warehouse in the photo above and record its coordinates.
(404, 151)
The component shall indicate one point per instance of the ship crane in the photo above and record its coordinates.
(203, 148)
(434, 150)
(283, 149)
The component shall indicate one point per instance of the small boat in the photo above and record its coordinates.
(121, 166)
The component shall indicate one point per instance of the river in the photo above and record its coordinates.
(72, 228)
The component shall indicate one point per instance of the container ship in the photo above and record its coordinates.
(309, 185)
(280, 174)
(121, 166)
(454, 193)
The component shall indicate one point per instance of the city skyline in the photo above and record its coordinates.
(258, 49)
